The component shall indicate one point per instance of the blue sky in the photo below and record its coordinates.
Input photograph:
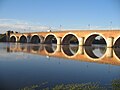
(68, 13)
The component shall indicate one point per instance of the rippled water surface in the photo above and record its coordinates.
(25, 65)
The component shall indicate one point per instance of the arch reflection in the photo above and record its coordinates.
(22, 46)
(70, 50)
(73, 52)
(35, 48)
(95, 51)
(50, 48)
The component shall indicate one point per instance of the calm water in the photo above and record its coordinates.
(20, 66)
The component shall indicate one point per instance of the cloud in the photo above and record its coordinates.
(96, 28)
(20, 26)
(3, 19)
(12, 21)
(23, 26)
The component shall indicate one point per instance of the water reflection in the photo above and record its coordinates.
(51, 48)
(56, 68)
(22, 46)
(75, 52)
(70, 50)
(35, 48)
(95, 51)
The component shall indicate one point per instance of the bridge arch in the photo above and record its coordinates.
(23, 39)
(116, 42)
(116, 48)
(50, 39)
(13, 38)
(116, 52)
(36, 39)
(70, 38)
(95, 38)
(97, 43)
(70, 42)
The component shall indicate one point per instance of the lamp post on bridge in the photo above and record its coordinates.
(110, 25)
(60, 27)
(49, 30)
(89, 26)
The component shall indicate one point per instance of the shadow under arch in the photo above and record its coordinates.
(95, 38)
(116, 47)
(35, 39)
(13, 39)
(70, 38)
(117, 53)
(23, 39)
(117, 42)
(50, 39)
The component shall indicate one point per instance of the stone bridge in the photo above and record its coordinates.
(110, 38)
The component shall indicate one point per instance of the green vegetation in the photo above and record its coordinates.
(115, 85)
(87, 86)
(2, 37)
(33, 87)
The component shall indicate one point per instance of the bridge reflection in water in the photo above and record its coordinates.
(95, 53)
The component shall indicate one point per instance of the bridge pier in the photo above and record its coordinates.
(81, 50)
(17, 39)
(41, 39)
(81, 41)
(58, 49)
(110, 42)
(58, 40)
(28, 40)
(109, 52)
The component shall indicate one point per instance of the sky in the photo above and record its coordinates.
(68, 14)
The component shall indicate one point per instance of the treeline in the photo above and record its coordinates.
(6, 36)
(101, 41)
(2, 37)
